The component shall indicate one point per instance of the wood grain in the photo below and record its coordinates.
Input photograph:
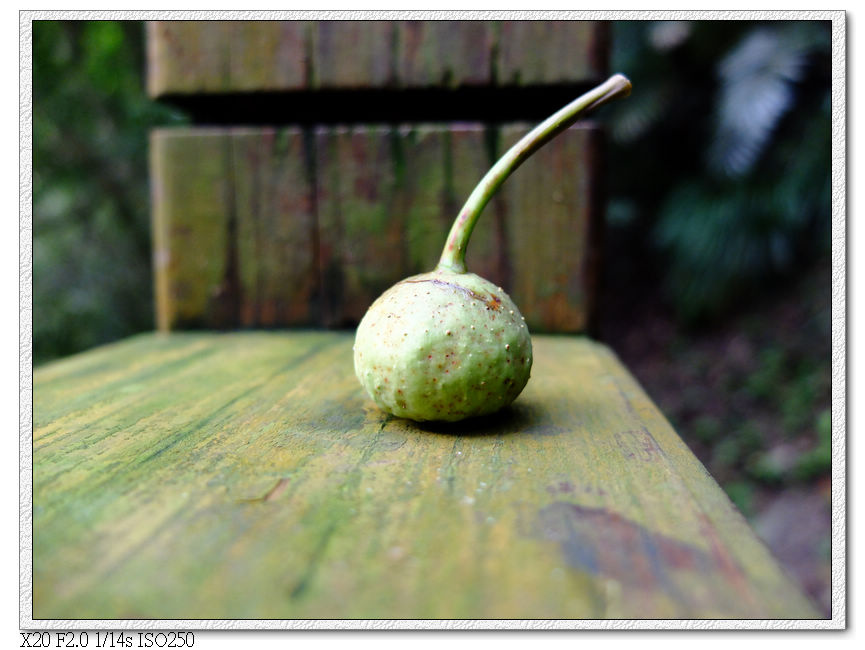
(269, 228)
(269, 55)
(276, 228)
(360, 226)
(386, 200)
(245, 475)
(352, 53)
(235, 240)
(553, 217)
(534, 52)
(187, 57)
(444, 53)
(193, 228)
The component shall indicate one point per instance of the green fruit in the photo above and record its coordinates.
(448, 345)
(443, 346)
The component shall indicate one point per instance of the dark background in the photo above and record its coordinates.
(717, 275)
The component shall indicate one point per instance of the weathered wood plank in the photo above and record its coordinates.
(360, 228)
(269, 55)
(553, 215)
(255, 227)
(221, 56)
(186, 57)
(246, 476)
(536, 52)
(276, 229)
(426, 191)
(386, 199)
(234, 229)
(444, 53)
(193, 228)
(352, 53)
(537, 239)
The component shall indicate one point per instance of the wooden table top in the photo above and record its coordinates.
(246, 476)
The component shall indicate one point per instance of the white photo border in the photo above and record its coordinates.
(839, 327)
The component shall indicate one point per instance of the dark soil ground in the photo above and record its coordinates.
(750, 395)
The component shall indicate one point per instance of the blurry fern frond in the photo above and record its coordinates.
(668, 34)
(716, 241)
(722, 240)
(632, 119)
(722, 155)
(758, 79)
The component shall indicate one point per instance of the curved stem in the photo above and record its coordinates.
(454, 254)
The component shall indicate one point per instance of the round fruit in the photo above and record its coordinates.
(443, 346)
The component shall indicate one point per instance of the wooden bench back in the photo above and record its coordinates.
(290, 222)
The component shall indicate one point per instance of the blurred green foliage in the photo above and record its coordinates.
(741, 493)
(91, 244)
(818, 461)
(722, 155)
(752, 398)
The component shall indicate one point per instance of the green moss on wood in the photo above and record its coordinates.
(245, 476)
(188, 57)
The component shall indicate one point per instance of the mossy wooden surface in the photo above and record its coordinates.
(245, 475)
(350, 54)
(234, 231)
(192, 245)
(187, 57)
(445, 53)
(554, 257)
(270, 227)
(542, 52)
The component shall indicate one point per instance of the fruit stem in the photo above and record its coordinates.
(453, 257)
